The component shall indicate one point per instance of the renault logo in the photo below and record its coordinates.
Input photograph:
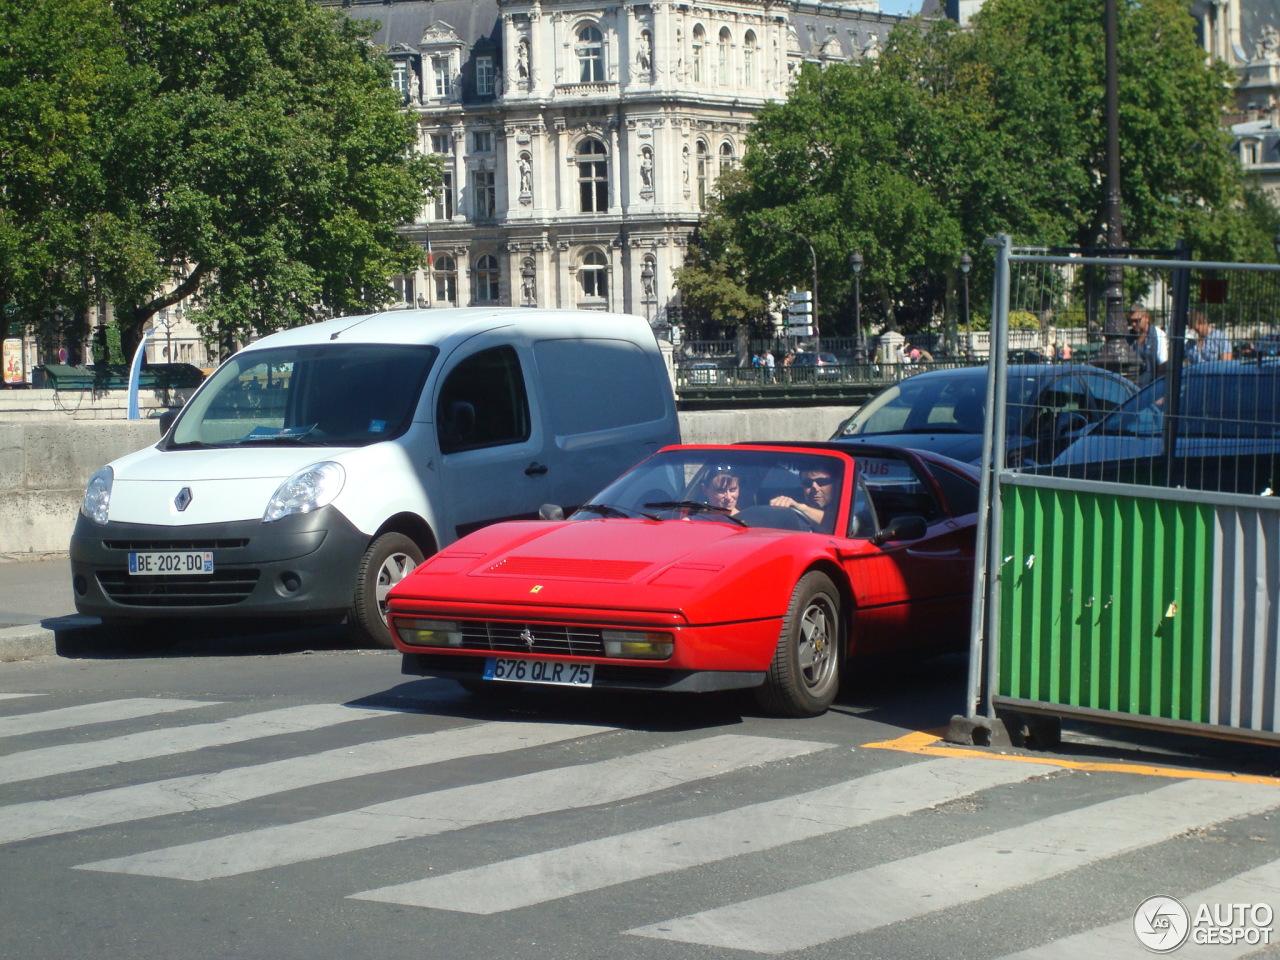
(183, 499)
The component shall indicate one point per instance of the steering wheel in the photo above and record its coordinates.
(804, 517)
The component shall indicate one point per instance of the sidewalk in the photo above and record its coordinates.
(35, 599)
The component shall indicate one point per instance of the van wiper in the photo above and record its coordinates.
(695, 506)
(609, 510)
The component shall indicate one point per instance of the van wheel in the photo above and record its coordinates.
(389, 559)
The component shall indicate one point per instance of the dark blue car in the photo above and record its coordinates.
(943, 411)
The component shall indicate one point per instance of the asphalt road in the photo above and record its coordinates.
(284, 795)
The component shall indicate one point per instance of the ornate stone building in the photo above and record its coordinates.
(582, 140)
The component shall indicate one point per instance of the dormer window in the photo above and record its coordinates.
(440, 74)
(590, 50)
(401, 78)
(484, 75)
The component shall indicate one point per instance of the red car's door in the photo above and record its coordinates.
(908, 593)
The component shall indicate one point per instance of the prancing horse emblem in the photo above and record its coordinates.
(183, 499)
(527, 636)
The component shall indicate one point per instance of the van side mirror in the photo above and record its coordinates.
(550, 511)
(911, 527)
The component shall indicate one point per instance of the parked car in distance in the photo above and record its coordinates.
(1225, 435)
(944, 411)
(823, 366)
(703, 372)
(319, 465)
(694, 571)
(1027, 356)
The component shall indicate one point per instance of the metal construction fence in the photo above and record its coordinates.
(1132, 574)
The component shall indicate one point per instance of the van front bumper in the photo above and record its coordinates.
(303, 565)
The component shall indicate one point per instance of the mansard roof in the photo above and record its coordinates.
(407, 21)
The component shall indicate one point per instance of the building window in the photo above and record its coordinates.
(593, 177)
(441, 143)
(444, 197)
(699, 42)
(749, 60)
(403, 286)
(726, 157)
(722, 58)
(703, 160)
(594, 276)
(446, 271)
(484, 186)
(440, 76)
(486, 274)
(590, 50)
(401, 78)
(484, 75)
(482, 142)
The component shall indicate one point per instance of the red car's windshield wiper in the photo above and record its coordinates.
(696, 506)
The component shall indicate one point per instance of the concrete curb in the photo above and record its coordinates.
(31, 640)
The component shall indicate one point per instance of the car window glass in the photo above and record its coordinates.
(325, 394)
(483, 402)
(960, 492)
(897, 489)
(1229, 405)
(1105, 392)
(862, 513)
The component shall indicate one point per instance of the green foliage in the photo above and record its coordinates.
(249, 151)
(951, 137)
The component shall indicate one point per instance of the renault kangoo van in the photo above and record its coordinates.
(317, 467)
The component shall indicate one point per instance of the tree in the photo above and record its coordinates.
(251, 154)
(953, 136)
(714, 287)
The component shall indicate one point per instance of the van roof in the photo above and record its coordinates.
(442, 327)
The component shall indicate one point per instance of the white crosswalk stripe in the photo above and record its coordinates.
(904, 889)
(599, 863)
(1116, 941)
(42, 818)
(547, 791)
(1103, 822)
(19, 696)
(87, 713)
(68, 758)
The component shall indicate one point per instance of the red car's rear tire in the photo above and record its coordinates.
(805, 674)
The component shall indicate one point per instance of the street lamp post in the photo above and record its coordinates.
(966, 264)
(855, 265)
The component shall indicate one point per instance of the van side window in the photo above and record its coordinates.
(483, 402)
(584, 377)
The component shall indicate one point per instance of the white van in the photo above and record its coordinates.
(317, 467)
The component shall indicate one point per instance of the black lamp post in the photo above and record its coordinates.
(966, 264)
(855, 265)
(1276, 241)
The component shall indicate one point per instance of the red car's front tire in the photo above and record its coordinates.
(805, 674)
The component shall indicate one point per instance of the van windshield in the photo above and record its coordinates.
(331, 394)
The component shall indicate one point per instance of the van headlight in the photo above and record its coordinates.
(309, 489)
(97, 496)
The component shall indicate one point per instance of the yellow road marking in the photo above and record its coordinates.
(928, 742)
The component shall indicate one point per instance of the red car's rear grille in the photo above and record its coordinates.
(579, 569)
(531, 638)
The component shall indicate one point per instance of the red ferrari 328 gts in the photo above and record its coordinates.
(762, 566)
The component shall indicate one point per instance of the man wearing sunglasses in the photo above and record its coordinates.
(820, 497)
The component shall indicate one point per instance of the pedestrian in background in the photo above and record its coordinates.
(1150, 343)
(1209, 343)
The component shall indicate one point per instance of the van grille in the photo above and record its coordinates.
(169, 544)
(221, 588)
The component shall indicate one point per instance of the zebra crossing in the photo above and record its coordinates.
(588, 767)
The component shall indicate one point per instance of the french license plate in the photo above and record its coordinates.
(156, 563)
(540, 671)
